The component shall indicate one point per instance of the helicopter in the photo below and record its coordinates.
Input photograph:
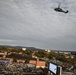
(58, 9)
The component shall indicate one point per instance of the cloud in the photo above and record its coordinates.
(35, 23)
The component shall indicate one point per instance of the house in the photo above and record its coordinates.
(38, 63)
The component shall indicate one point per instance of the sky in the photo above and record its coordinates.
(34, 23)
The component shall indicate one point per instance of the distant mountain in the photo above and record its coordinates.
(33, 48)
(20, 47)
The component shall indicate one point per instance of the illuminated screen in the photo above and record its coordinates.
(53, 68)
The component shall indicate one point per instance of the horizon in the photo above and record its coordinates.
(39, 48)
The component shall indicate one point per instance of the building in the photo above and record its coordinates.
(47, 50)
(38, 63)
(20, 61)
(2, 61)
(24, 49)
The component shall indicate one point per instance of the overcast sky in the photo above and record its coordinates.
(34, 23)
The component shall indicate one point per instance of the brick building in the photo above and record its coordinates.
(38, 63)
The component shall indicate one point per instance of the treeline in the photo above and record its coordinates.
(56, 56)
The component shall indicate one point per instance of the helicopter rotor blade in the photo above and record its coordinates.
(59, 5)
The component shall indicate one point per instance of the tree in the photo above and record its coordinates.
(14, 60)
(27, 61)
